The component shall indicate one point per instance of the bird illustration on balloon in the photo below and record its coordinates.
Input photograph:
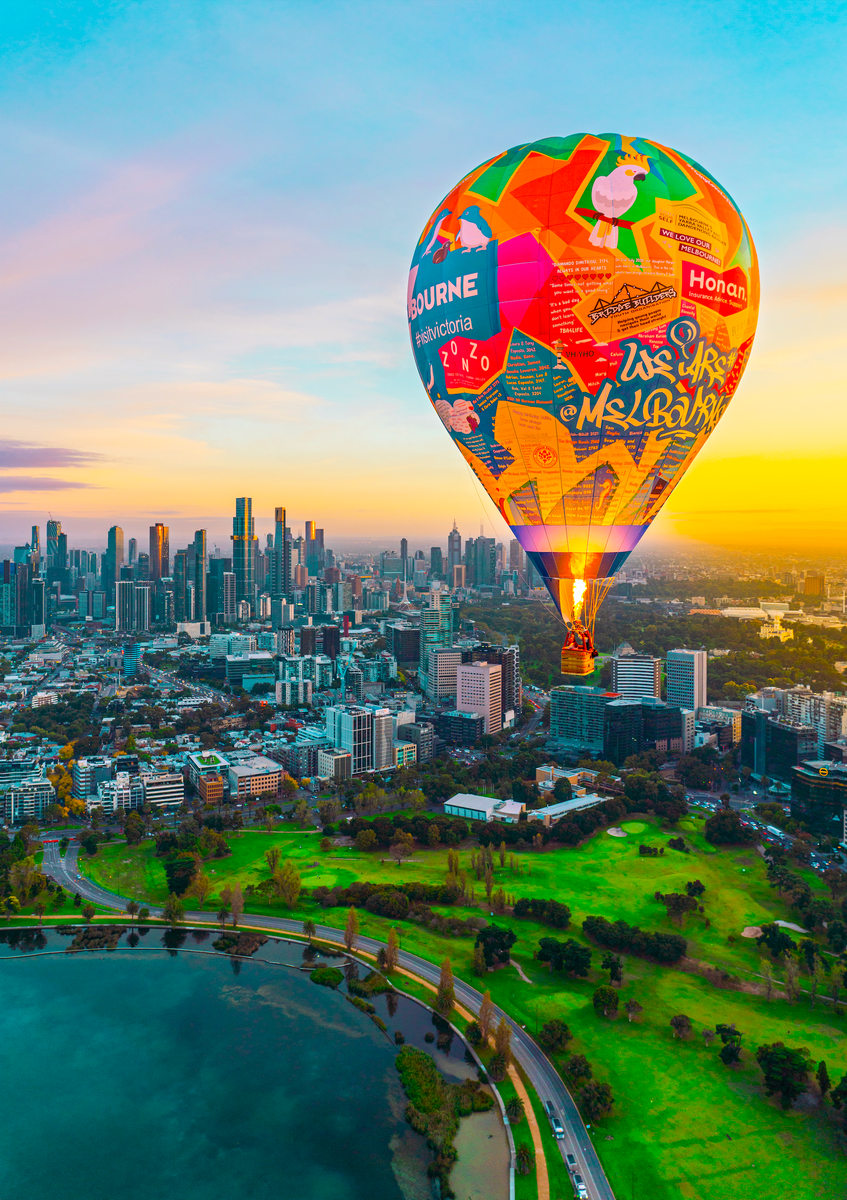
(614, 194)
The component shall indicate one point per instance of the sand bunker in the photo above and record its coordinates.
(754, 931)
(617, 832)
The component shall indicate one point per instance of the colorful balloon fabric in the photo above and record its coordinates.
(581, 310)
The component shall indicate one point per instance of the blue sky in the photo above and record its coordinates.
(208, 211)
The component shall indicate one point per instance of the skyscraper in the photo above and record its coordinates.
(404, 552)
(54, 528)
(281, 557)
(454, 549)
(180, 580)
(200, 562)
(243, 550)
(114, 560)
(686, 678)
(229, 602)
(133, 552)
(160, 565)
(124, 605)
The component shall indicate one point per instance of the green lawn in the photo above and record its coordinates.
(684, 1125)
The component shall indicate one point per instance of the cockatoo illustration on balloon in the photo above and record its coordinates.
(615, 193)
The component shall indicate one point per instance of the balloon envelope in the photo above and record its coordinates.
(581, 310)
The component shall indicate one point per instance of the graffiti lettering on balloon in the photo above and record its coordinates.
(693, 399)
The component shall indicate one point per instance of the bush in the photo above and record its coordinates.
(664, 947)
(648, 851)
(548, 912)
(326, 976)
(388, 904)
(554, 1036)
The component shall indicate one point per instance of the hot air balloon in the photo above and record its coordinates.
(581, 310)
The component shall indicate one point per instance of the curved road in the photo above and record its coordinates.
(540, 1071)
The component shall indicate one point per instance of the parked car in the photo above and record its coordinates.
(580, 1190)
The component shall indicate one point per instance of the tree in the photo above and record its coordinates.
(223, 913)
(822, 1076)
(309, 928)
(401, 846)
(496, 943)
(569, 956)
(433, 837)
(272, 856)
(836, 935)
(515, 1110)
(287, 883)
(445, 997)
(201, 885)
(730, 1052)
(724, 828)
(87, 913)
(554, 1036)
(614, 966)
(39, 908)
(633, 1008)
(681, 1025)
(351, 929)
(486, 1017)
(479, 967)
(132, 910)
(695, 888)
(173, 910)
(786, 1071)
(578, 1069)
(605, 1000)
(144, 914)
(776, 939)
(392, 952)
(838, 1095)
(365, 840)
(596, 1100)
(503, 1040)
(524, 1159)
(133, 828)
(677, 905)
(708, 1036)
(236, 904)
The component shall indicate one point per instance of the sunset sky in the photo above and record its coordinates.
(208, 212)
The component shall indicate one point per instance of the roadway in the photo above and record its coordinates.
(540, 1071)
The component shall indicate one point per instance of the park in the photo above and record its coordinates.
(684, 1121)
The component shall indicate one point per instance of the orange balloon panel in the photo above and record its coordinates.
(581, 310)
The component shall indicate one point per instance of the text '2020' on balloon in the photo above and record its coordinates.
(581, 310)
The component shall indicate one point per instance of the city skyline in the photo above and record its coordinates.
(180, 309)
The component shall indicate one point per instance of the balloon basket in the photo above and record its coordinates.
(577, 661)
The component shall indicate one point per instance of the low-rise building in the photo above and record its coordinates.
(208, 762)
(255, 776)
(555, 812)
(405, 753)
(334, 765)
(210, 789)
(483, 808)
(164, 790)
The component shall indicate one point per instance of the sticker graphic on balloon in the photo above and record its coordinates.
(581, 310)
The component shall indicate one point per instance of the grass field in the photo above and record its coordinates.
(684, 1125)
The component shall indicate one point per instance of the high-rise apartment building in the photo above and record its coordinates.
(686, 678)
(280, 584)
(436, 624)
(577, 717)
(230, 604)
(180, 579)
(635, 675)
(160, 554)
(243, 550)
(200, 566)
(124, 605)
(350, 727)
(436, 565)
(479, 689)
